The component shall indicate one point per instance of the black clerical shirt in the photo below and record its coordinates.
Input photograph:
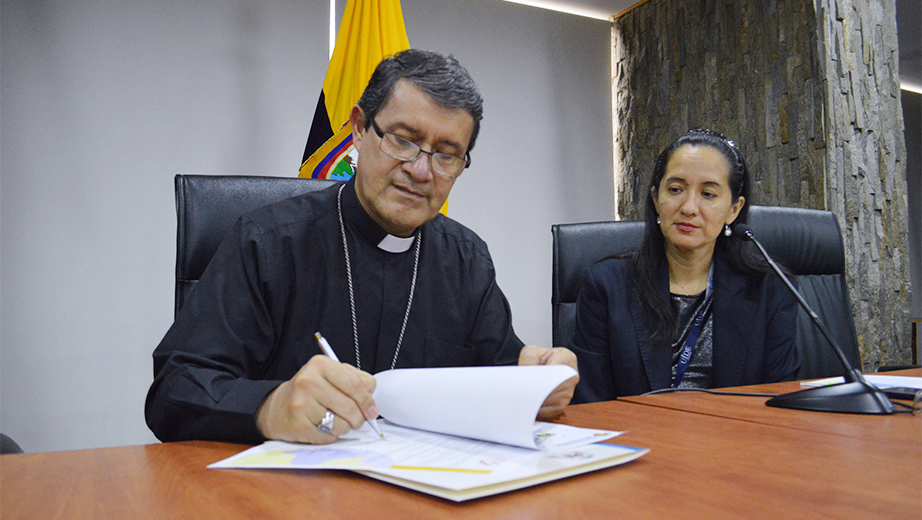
(280, 276)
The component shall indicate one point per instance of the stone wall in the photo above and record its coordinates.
(810, 95)
(866, 170)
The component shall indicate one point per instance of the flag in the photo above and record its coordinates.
(370, 31)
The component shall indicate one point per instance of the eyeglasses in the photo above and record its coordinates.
(405, 150)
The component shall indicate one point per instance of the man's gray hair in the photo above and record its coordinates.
(440, 76)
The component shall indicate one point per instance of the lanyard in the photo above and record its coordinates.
(694, 331)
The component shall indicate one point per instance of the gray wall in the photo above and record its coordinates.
(102, 102)
(912, 118)
(909, 26)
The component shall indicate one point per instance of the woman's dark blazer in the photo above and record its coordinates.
(753, 334)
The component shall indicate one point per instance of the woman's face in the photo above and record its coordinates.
(694, 201)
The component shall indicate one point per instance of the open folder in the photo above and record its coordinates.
(456, 433)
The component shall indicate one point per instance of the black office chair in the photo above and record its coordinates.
(206, 208)
(8, 446)
(807, 242)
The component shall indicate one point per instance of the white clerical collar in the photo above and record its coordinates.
(393, 244)
(366, 227)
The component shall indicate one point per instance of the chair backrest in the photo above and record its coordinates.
(807, 242)
(8, 446)
(206, 208)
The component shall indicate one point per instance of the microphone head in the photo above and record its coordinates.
(742, 231)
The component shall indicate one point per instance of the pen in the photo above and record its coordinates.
(328, 351)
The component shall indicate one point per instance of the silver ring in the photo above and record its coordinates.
(326, 424)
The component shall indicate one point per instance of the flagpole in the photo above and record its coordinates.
(332, 26)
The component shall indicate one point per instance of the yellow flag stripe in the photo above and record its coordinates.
(369, 31)
(428, 468)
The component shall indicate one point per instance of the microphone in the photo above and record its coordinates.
(855, 395)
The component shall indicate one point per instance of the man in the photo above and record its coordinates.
(371, 264)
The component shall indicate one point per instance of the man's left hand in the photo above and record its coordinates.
(555, 403)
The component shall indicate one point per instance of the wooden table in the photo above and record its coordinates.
(712, 457)
(869, 427)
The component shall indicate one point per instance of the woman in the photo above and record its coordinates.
(692, 307)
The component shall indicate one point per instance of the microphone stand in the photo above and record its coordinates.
(855, 395)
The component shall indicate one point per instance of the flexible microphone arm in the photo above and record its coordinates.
(744, 232)
(855, 395)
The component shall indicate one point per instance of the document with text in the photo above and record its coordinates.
(457, 433)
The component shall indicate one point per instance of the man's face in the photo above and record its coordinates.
(401, 196)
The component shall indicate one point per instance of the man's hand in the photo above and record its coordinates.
(555, 403)
(294, 409)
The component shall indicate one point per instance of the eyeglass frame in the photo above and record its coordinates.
(381, 133)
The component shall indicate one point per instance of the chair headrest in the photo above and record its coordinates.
(806, 241)
(208, 205)
(577, 246)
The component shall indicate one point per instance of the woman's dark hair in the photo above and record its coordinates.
(440, 76)
(649, 262)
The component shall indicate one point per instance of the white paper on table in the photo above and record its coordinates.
(410, 449)
(487, 439)
(443, 465)
(880, 381)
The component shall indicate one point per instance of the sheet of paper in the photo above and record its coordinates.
(497, 404)
(409, 449)
(443, 461)
(878, 380)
